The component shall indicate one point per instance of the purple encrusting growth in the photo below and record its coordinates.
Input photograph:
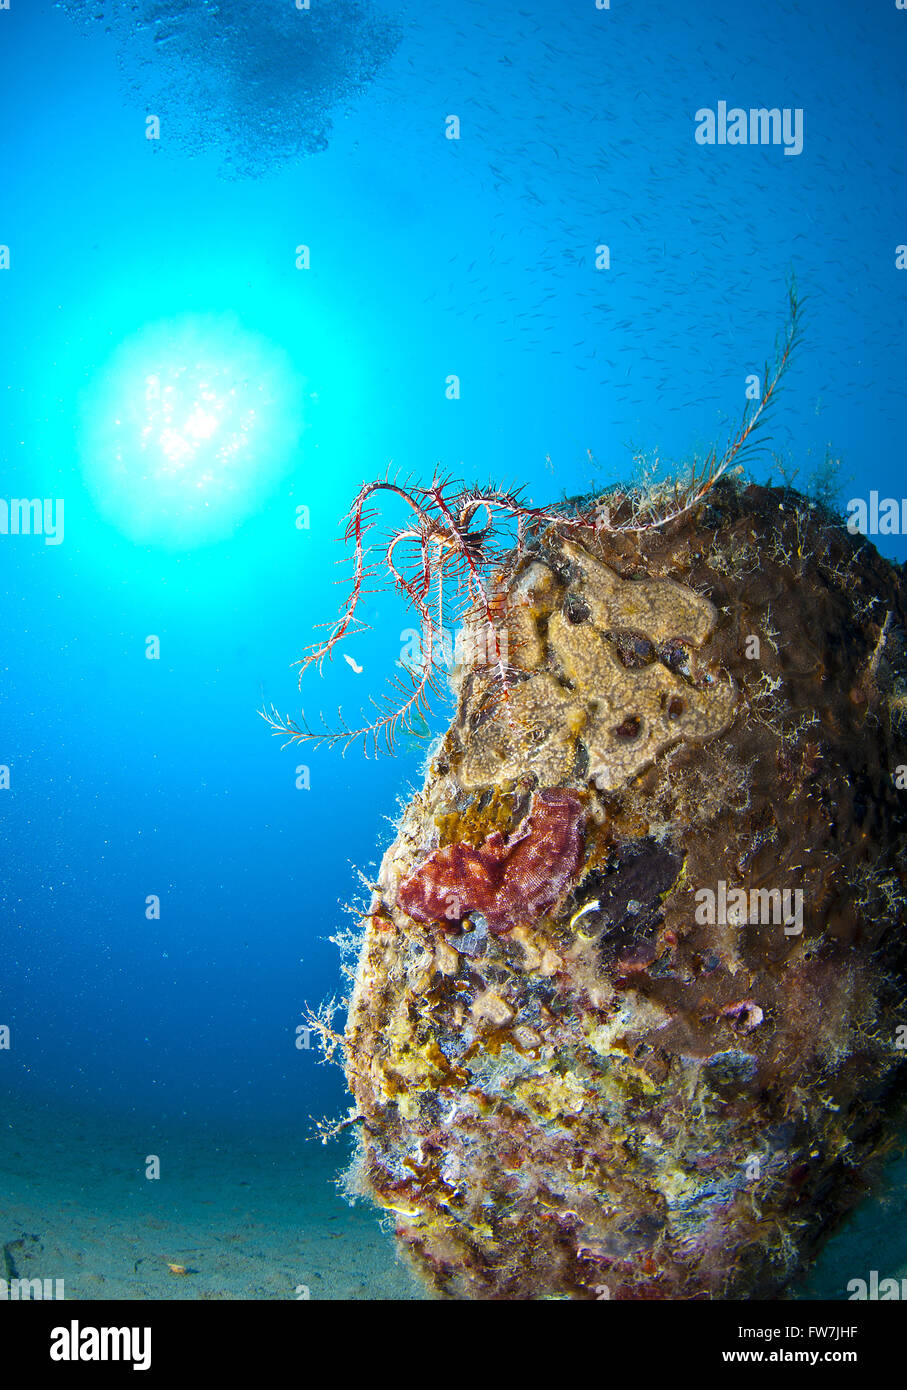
(507, 881)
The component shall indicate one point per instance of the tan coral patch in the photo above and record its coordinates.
(661, 608)
(584, 694)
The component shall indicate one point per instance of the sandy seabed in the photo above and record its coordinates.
(248, 1216)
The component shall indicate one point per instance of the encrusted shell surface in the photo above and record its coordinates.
(665, 1079)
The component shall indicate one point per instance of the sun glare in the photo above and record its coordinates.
(188, 428)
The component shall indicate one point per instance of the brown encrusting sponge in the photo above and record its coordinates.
(625, 1016)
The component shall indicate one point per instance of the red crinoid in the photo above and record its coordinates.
(448, 563)
(452, 559)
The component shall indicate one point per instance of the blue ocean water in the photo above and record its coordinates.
(241, 260)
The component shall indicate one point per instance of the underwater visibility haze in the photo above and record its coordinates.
(531, 377)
